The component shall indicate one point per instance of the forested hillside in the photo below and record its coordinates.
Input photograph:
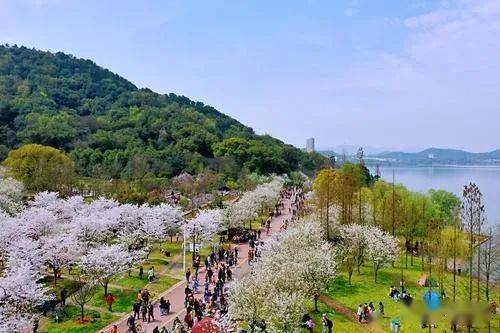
(113, 129)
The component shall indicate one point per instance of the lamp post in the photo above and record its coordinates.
(184, 247)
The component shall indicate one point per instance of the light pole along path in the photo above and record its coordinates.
(176, 293)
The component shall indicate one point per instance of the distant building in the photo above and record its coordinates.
(310, 145)
(430, 156)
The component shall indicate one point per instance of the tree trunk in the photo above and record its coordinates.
(470, 254)
(454, 261)
(406, 260)
(81, 312)
(350, 277)
(479, 259)
(423, 259)
(55, 277)
(105, 285)
(327, 220)
(316, 297)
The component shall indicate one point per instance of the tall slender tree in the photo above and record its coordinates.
(472, 214)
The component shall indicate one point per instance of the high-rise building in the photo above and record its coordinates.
(310, 145)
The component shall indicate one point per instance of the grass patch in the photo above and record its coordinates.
(365, 290)
(340, 323)
(68, 321)
(161, 284)
(123, 303)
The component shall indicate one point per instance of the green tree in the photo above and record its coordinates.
(41, 168)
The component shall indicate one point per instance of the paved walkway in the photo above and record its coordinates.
(176, 293)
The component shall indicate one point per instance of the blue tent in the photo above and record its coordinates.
(431, 300)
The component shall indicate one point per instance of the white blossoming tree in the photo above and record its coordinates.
(296, 265)
(20, 294)
(59, 251)
(206, 224)
(382, 248)
(351, 249)
(103, 262)
(252, 203)
(11, 194)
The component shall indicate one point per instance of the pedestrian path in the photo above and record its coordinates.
(176, 293)
(349, 314)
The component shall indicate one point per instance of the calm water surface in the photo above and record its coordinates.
(452, 179)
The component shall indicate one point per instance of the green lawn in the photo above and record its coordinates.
(365, 290)
(68, 322)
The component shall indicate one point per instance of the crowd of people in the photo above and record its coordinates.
(367, 313)
(402, 296)
(206, 291)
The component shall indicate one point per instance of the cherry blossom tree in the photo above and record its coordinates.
(11, 194)
(296, 265)
(9, 234)
(37, 222)
(90, 230)
(203, 226)
(303, 259)
(170, 216)
(247, 300)
(382, 248)
(252, 203)
(140, 226)
(103, 262)
(25, 252)
(59, 251)
(351, 249)
(20, 294)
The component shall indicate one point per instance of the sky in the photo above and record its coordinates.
(392, 73)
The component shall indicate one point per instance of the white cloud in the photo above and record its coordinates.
(447, 77)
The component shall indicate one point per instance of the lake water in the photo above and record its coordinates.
(452, 179)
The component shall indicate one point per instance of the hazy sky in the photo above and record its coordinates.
(386, 73)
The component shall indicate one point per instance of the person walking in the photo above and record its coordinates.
(327, 324)
(114, 329)
(144, 312)
(381, 308)
(188, 275)
(145, 296)
(137, 309)
(151, 274)
(131, 324)
(163, 307)
(360, 313)
(151, 314)
(110, 299)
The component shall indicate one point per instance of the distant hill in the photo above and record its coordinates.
(113, 129)
(438, 156)
(430, 156)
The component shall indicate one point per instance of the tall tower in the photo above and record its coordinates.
(310, 145)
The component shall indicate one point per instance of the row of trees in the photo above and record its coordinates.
(251, 204)
(437, 225)
(296, 266)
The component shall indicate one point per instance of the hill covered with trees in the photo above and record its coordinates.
(112, 129)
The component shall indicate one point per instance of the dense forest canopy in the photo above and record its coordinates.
(112, 129)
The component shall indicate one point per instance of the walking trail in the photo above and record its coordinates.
(176, 293)
(349, 314)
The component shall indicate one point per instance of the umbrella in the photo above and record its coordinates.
(206, 325)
